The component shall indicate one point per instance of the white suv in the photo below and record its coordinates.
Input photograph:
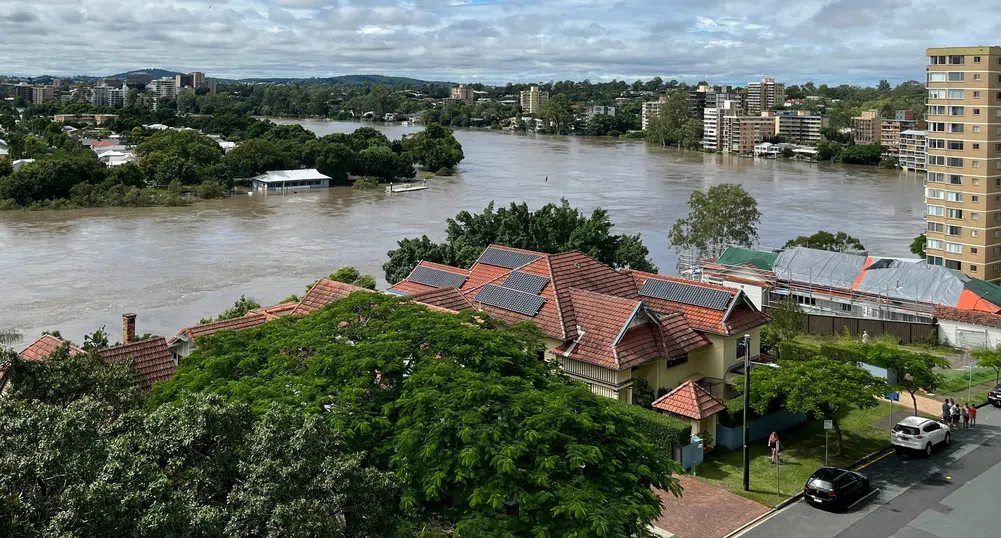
(917, 433)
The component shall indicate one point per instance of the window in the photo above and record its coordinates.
(956, 60)
(976, 128)
(955, 94)
(973, 268)
(976, 111)
(997, 268)
(997, 216)
(955, 127)
(936, 76)
(937, 94)
(936, 60)
(933, 260)
(976, 164)
(976, 146)
(953, 264)
(935, 227)
(976, 59)
(938, 160)
(956, 145)
(973, 250)
(939, 109)
(954, 230)
(937, 127)
(956, 110)
(976, 181)
(975, 199)
(997, 234)
(997, 251)
(976, 95)
(973, 233)
(954, 161)
(934, 244)
(937, 177)
(953, 213)
(846, 307)
(976, 76)
(937, 194)
(936, 143)
(974, 216)
(955, 180)
(954, 196)
(930, 427)
(956, 76)
(936, 210)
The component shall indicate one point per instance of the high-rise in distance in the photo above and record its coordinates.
(964, 160)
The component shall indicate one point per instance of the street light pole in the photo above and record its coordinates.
(747, 403)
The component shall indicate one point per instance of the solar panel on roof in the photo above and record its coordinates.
(506, 258)
(686, 293)
(510, 299)
(526, 282)
(436, 278)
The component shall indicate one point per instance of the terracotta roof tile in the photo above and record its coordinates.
(406, 287)
(152, 359)
(276, 311)
(324, 292)
(691, 401)
(985, 319)
(575, 270)
(744, 317)
(44, 346)
(602, 319)
(449, 299)
(235, 324)
(679, 337)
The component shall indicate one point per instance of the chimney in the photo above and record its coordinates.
(128, 328)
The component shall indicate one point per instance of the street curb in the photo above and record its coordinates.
(854, 466)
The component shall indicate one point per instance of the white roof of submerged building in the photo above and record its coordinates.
(278, 176)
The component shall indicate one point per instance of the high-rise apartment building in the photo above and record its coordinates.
(650, 110)
(533, 100)
(913, 153)
(712, 119)
(42, 94)
(739, 134)
(890, 129)
(866, 129)
(765, 95)
(163, 88)
(462, 94)
(964, 160)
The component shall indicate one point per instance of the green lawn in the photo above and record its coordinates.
(942, 351)
(959, 380)
(803, 453)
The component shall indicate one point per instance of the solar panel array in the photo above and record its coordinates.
(510, 299)
(526, 282)
(436, 278)
(506, 258)
(686, 293)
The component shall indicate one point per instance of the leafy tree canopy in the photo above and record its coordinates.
(725, 215)
(918, 245)
(240, 308)
(552, 229)
(823, 240)
(434, 148)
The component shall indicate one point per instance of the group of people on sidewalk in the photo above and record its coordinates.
(952, 412)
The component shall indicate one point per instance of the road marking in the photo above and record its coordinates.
(862, 498)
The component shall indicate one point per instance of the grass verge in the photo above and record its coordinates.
(803, 453)
(959, 380)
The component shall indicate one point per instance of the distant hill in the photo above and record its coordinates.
(352, 80)
(152, 72)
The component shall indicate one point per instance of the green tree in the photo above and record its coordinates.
(350, 275)
(915, 371)
(725, 215)
(862, 154)
(989, 358)
(823, 388)
(676, 123)
(240, 308)
(918, 245)
(557, 114)
(788, 319)
(433, 148)
(552, 229)
(822, 240)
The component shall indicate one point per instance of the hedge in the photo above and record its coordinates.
(662, 430)
(841, 352)
(794, 351)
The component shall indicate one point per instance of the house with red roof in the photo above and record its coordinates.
(607, 328)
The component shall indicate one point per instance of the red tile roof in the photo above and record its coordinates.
(407, 287)
(102, 144)
(690, 400)
(985, 319)
(276, 311)
(235, 324)
(448, 299)
(43, 347)
(602, 320)
(152, 357)
(679, 337)
(324, 292)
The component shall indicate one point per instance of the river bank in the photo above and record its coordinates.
(79, 269)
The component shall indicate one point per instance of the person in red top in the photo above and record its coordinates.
(973, 416)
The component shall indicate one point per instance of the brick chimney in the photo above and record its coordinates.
(128, 328)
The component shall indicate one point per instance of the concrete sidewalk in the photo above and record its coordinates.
(705, 511)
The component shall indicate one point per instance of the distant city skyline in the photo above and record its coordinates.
(496, 41)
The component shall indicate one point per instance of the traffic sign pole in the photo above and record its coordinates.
(828, 426)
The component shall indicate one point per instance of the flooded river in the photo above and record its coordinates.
(78, 270)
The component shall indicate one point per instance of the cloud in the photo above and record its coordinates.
(495, 41)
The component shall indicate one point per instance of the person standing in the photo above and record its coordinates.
(965, 410)
(955, 413)
(773, 445)
(865, 337)
(947, 411)
(973, 416)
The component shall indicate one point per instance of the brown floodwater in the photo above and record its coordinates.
(80, 269)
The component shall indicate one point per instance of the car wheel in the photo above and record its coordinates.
(928, 449)
(948, 439)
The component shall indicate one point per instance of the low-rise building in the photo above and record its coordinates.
(289, 180)
(801, 126)
(913, 153)
(589, 112)
(866, 129)
(890, 129)
(739, 134)
(42, 94)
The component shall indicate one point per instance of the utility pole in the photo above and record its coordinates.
(746, 340)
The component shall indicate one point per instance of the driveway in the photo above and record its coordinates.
(705, 511)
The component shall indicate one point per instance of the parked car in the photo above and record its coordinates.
(994, 396)
(834, 488)
(919, 433)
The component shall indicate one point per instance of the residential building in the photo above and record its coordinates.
(739, 134)
(964, 160)
(768, 150)
(604, 327)
(717, 98)
(99, 96)
(890, 129)
(22, 90)
(163, 88)
(588, 113)
(764, 95)
(97, 119)
(650, 110)
(913, 154)
(42, 94)
(851, 285)
(462, 94)
(289, 180)
(801, 126)
(699, 97)
(111, 82)
(182, 81)
(867, 128)
(133, 79)
(712, 122)
(533, 100)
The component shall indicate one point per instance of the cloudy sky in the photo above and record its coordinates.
(494, 41)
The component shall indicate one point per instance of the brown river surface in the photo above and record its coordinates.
(80, 269)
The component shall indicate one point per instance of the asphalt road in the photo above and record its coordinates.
(952, 494)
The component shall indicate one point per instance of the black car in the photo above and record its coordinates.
(994, 396)
(834, 488)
